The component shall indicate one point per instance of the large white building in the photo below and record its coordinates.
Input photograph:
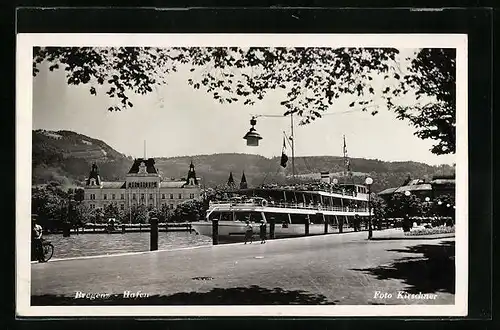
(143, 185)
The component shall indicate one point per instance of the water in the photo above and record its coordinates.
(99, 244)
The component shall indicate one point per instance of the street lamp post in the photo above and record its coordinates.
(369, 182)
(407, 194)
(427, 207)
(406, 218)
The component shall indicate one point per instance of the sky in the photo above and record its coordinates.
(176, 120)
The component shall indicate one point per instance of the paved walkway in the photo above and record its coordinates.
(330, 269)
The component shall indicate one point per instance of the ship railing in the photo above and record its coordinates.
(290, 205)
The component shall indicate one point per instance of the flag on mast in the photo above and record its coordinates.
(284, 157)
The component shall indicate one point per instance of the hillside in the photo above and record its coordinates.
(66, 157)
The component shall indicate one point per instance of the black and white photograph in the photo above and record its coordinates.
(248, 175)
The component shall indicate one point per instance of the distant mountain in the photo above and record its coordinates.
(66, 157)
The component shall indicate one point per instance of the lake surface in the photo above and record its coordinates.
(101, 244)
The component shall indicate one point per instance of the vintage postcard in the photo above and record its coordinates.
(241, 174)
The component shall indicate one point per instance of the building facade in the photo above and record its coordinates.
(143, 185)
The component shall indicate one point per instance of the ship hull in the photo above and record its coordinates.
(234, 231)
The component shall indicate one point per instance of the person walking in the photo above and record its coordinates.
(262, 232)
(248, 232)
(357, 222)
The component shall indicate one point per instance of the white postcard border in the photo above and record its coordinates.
(24, 94)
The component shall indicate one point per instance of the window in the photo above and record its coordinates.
(150, 196)
(122, 207)
(162, 204)
(180, 196)
(154, 184)
(191, 196)
(113, 196)
(162, 196)
(133, 197)
(105, 196)
(142, 196)
(171, 196)
(92, 206)
(171, 206)
(122, 196)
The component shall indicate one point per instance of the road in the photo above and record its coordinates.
(330, 269)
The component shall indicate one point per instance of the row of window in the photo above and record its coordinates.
(113, 196)
(134, 197)
(122, 206)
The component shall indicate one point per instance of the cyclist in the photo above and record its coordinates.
(36, 240)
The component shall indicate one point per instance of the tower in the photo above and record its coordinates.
(230, 181)
(243, 183)
(94, 179)
(191, 177)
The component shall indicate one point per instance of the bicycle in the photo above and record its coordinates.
(47, 250)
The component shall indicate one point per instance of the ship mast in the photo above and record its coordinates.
(346, 161)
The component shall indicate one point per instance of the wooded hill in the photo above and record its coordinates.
(66, 157)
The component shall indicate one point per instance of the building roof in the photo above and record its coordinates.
(443, 181)
(150, 166)
(402, 189)
(114, 185)
(172, 184)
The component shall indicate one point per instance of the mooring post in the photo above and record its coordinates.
(66, 230)
(325, 220)
(154, 234)
(215, 231)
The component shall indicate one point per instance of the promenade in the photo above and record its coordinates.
(328, 269)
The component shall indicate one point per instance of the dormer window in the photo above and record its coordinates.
(92, 182)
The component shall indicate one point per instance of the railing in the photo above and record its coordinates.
(288, 205)
(123, 228)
